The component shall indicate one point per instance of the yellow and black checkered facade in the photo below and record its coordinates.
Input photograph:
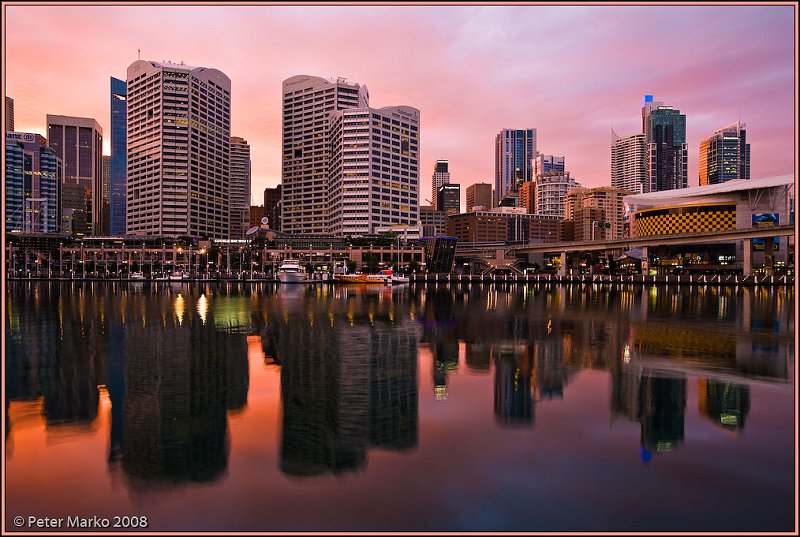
(686, 219)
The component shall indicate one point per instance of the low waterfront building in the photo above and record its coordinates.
(734, 204)
(505, 224)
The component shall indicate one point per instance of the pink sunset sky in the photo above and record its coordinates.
(571, 72)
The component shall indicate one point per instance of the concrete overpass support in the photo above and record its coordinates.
(747, 257)
(645, 260)
(562, 270)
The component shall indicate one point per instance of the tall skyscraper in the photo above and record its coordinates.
(239, 187)
(9, 114)
(441, 176)
(32, 184)
(78, 142)
(449, 198)
(629, 163)
(479, 195)
(725, 155)
(179, 128)
(514, 152)
(664, 128)
(119, 156)
(307, 104)
(368, 194)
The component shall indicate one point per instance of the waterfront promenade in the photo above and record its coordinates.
(640, 279)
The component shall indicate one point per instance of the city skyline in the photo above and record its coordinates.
(444, 64)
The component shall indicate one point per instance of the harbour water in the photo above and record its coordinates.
(449, 407)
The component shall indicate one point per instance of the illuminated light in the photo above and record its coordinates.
(549, 326)
(179, 307)
(626, 354)
(663, 446)
(202, 307)
(729, 419)
(440, 392)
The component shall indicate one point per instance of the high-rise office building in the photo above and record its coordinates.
(179, 125)
(272, 206)
(441, 176)
(78, 142)
(514, 153)
(239, 187)
(9, 114)
(629, 163)
(725, 155)
(119, 156)
(479, 197)
(374, 170)
(448, 198)
(664, 128)
(307, 104)
(32, 185)
(547, 163)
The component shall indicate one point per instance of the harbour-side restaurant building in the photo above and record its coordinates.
(735, 204)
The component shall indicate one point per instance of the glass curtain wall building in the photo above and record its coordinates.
(514, 154)
(664, 128)
(119, 157)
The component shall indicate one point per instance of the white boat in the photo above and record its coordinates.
(291, 271)
(400, 279)
(137, 276)
(177, 275)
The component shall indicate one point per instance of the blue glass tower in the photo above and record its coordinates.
(119, 156)
(32, 184)
(514, 152)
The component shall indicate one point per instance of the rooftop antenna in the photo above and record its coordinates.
(140, 53)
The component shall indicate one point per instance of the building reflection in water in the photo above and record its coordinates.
(725, 404)
(656, 400)
(181, 378)
(173, 359)
(513, 403)
(348, 382)
(170, 377)
(440, 333)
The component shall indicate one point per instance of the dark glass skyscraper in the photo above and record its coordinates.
(119, 157)
(664, 129)
(514, 152)
(725, 155)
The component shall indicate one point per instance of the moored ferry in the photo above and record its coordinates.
(290, 271)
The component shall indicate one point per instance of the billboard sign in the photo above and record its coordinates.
(761, 220)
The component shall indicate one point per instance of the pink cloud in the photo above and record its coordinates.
(571, 72)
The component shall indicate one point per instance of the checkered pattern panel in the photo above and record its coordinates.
(669, 224)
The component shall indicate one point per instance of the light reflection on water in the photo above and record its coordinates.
(485, 407)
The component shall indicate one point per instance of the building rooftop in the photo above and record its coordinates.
(682, 195)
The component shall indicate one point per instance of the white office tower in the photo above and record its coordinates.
(179, 130)
(629, 163)
(307, 104)
(374, 171)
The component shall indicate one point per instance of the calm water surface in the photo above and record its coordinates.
(463, 408)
